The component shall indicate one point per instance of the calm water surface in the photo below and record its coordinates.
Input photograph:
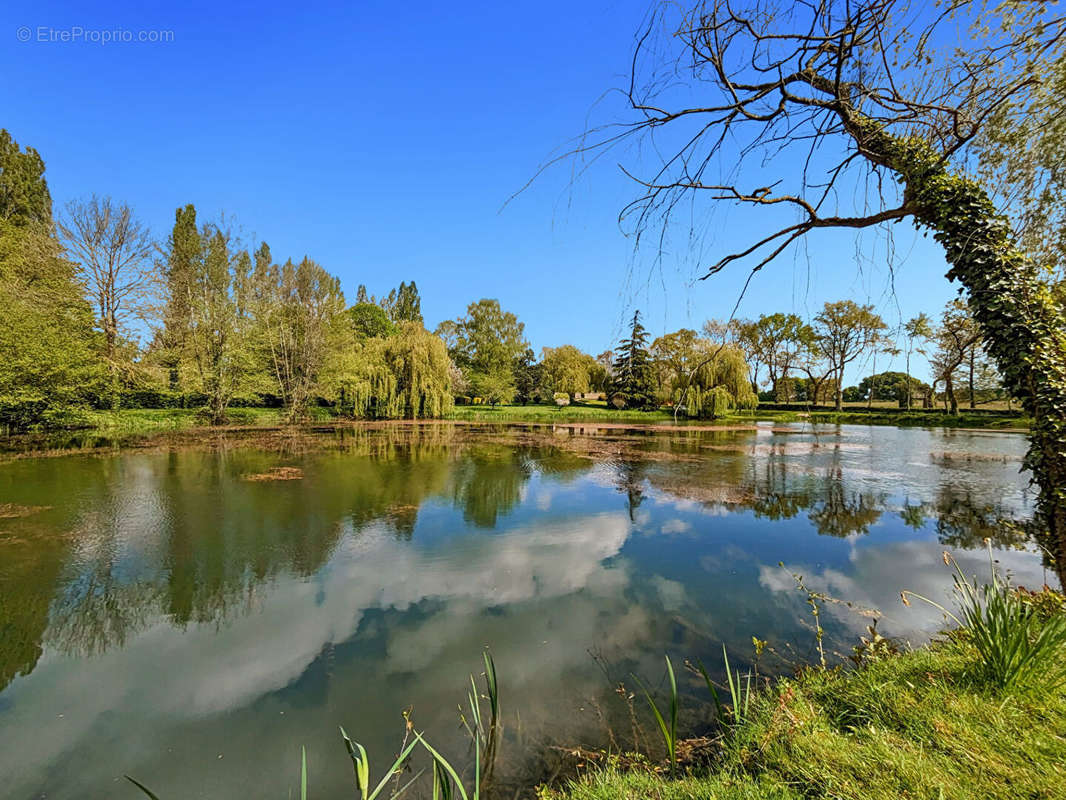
(163, 614)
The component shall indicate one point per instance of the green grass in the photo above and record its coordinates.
(549, 414)
(159, 420)
(146, 421)
(917, 725)
(901, 418)
(612, 784)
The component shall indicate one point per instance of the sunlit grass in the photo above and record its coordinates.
(1019, 649)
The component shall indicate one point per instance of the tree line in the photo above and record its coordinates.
(227, 324)
(806, 362)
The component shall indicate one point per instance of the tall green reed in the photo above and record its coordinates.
(667, 727)
(741, 691)
(1018, 650)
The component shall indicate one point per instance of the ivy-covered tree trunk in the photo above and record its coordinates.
(1022, 325)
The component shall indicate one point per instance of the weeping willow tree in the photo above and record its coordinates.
(403, 376)
(718, 385)
(706, 379)
(419, 361)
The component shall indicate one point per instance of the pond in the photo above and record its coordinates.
(194, 614)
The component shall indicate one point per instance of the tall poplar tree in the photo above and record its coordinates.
(184, 250)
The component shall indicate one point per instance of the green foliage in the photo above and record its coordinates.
(889, 386)
(24, 196)
(907, 725)
(632, 381)
(776, 341)
(528, 378)
(1021, 149)
(668, 725)
(843, 331)
(406, 375)
(408, 305)
(720, 383)
(1019, 648)
(299, 325)
(184, 250)
(1020, 318)
(48, 362)
(741, 692)
(566, 370)
(361, 767)
(369, 321)
(212, 353)
(485, 344)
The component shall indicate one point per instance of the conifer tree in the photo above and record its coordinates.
(633, 382)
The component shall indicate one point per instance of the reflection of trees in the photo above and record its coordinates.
(630, 481)
(99, 612)
(487, 481)
(213, 539)
(965, 521)
(31, 562)
(777, 493)
(841, 512)
(201, 540)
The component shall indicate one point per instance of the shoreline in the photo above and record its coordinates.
(179, 427)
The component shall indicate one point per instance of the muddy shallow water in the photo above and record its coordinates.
(193, 612)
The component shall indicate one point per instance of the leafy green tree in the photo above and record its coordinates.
(844, 331)
(719, 383)
(48, 362)
(184, 251)
(420, 362)
(305, 321)
(369, 320)
(528, 377)
(48, 367)
(674, 356)
(566, 370)
(776, 340)
(917, 329)
(633, 380)
(494, 386)
(408, 305)
(484, 345)
(405, 375)
(216, 357)
(889, 386)
(24, 196)
(956, 338)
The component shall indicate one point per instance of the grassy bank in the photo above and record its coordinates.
(929, 723)
(925, 419)
(146, 421)
(550, 414)
(913, 725)
(856, 416)
(160, 420)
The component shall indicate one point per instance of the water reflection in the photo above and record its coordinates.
(159, 609)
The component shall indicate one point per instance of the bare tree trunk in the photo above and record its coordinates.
(910, 389)
(973, 358)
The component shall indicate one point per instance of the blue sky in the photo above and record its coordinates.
(383, 139)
